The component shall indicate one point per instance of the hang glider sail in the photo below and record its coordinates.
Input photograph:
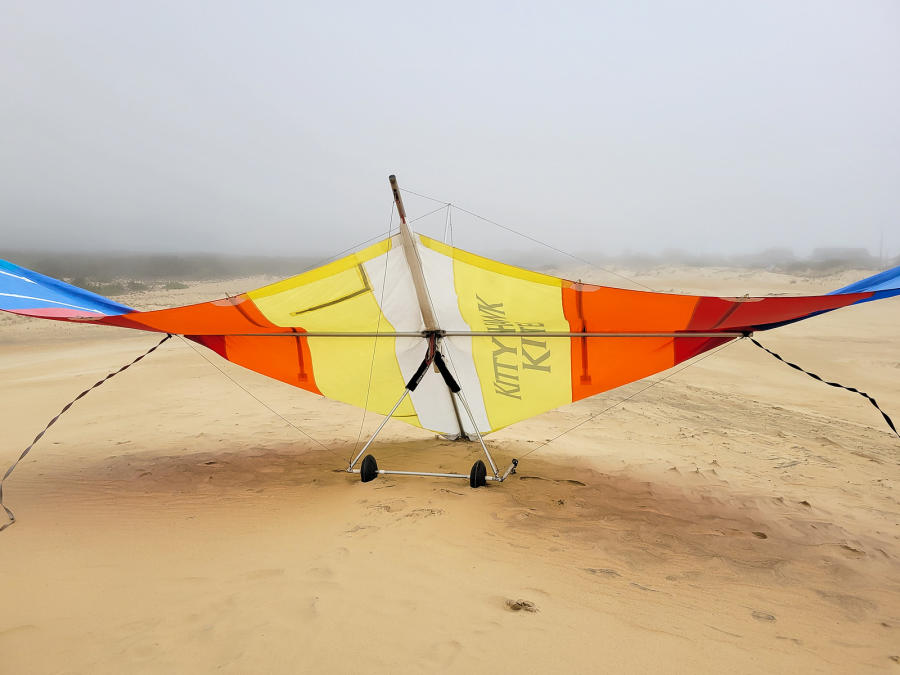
(505, 343)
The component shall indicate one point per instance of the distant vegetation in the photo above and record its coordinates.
(111, 288)
(823, 261)
(113, 274)
(118, 273)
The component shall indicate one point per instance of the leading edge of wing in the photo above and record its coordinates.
(494, 296)
(882, 285)
(29, 293)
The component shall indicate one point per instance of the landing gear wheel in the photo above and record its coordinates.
(368, 470)
(477, 475)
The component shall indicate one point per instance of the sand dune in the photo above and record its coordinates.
(737, 517)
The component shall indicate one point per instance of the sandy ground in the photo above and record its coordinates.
(738, 517)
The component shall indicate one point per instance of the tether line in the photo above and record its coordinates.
(871, 400)
(9, 514)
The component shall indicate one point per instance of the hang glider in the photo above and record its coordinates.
(472, 344)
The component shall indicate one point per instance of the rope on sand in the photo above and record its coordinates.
(9, 514)
(871, 400)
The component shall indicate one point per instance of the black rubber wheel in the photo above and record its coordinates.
(368, 470)
(477, 475)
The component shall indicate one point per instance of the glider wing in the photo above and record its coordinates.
(615, 336)
(519, 342)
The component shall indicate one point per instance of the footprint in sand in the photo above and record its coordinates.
(796, 641)
(762, 616)
(388, 508)
(644, 588)
(424, 513)
(851, 552)
(602, 571)
(521, 606)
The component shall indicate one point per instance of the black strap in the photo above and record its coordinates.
(871, 400)
(419, 374)
(9, 513)
(423, 367)
(445, 373)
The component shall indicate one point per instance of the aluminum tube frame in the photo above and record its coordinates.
(414, 262)
(484, 333)
(377, 431)
(562, 334)
(510, 469)
(330, 334)
(432, 474)
(496, 477)
(417, 473)
(478, 433)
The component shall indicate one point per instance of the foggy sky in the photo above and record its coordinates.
(271, 127)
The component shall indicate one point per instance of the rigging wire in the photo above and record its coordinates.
(440, 208)
(349, 249)
(628, 398)
(255, 397)
(448, 225)
(374, 343)
(532, 239)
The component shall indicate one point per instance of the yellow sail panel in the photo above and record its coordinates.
(341, 367)
(474, 260)
(519, 376)
(335, 297)
(344, 296)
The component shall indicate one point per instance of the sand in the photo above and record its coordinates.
(737, 517)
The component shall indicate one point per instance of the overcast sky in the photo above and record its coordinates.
(271, 127)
